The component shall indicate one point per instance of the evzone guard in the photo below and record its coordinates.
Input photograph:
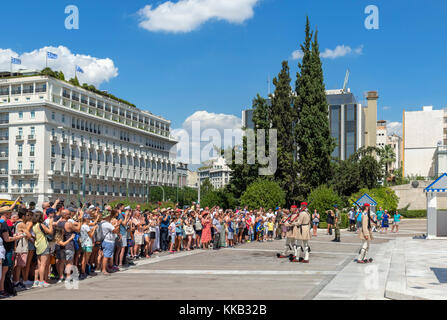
(290, 239)
(365, 234)
(302, 235)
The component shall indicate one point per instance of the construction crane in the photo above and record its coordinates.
(345, 84)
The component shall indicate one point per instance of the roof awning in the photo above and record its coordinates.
(366, 198)
(439, 185)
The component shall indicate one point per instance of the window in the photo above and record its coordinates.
(52, 166)
(19, 165)
(52, 132)
(33, 131)
(32, 149)
(63, 118)
(53, 152)
(20, 150)
(33, 114)
(31, 164)
(20, 131)
(20, 115)
(53, 116)
(20, 184)
(32, 184)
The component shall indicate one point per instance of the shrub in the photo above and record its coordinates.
(385, 197)
(263, 193)
(323, 198)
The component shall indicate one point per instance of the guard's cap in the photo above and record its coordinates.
(304, 204)
(293, 207)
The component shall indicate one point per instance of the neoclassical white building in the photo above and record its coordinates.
(55, 136)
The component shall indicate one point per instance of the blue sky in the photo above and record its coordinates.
(220, 66)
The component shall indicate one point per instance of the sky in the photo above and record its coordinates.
(207, 59)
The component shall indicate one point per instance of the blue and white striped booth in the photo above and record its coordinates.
(436, 219)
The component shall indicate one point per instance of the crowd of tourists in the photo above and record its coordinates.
(56, 243)
(60, 243)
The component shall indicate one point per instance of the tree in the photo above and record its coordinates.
(314, 142)
(244, 174)
(74, 81)
(361, 170)
(263, 193)
(282, 119)
(206, 187)
(61, 76)
(387, 157)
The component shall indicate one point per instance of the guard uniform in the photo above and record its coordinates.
(303, 235)
(365, 234)
(290, 239)
(337, 224)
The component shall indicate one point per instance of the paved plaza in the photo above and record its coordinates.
(252, 271)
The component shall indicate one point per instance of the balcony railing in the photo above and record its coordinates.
(16, 190)
(30, 171)
(19, 138)
(16, 172)
(31, 137)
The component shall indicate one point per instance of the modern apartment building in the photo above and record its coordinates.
(346, 122)
(55, 136)
(424, 141)
(217, 171)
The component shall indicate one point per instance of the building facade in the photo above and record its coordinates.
(395, 142)
(381, 133)
(56, 138)
(423, 132)
(217, 171)
(369, 122)
(345, 120)
(247, 119)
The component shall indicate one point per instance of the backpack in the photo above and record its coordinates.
(9, 285)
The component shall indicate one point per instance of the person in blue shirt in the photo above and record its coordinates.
(164, 225)
(358, 216)
(396, 221)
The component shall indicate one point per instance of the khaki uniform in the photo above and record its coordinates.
(337, 224)
(290, 239)
(364, 230)
(303, 234)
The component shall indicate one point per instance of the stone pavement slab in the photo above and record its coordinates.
(418, 270)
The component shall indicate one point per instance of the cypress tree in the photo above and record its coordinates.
(282, 120)
(313, 138)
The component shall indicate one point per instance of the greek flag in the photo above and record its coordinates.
(16, 61)
(78, 69)
(51, 55)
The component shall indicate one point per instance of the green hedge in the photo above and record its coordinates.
(413, 213)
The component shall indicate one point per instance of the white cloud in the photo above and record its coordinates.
(188, 15)
(297, 54)
(209, 123)
(394, 127)
(339, 51)
(96, 70)
(386, 108)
